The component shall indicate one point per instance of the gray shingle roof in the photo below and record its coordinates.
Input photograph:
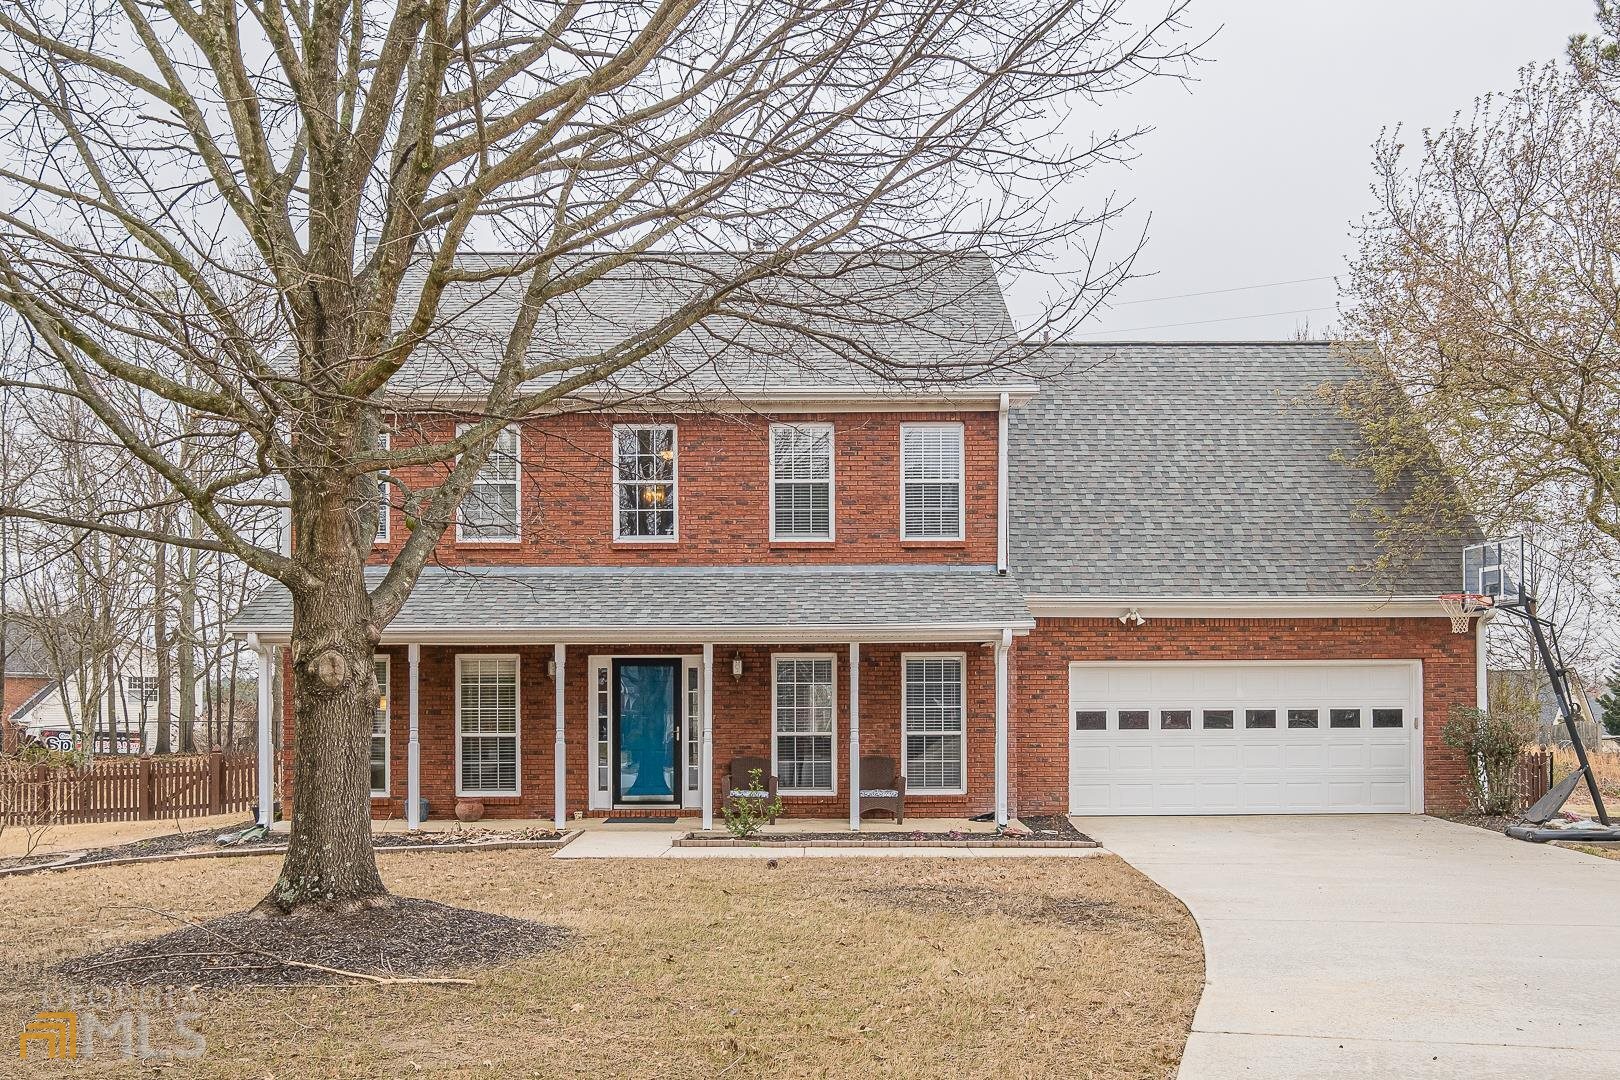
(646, 603)
(1185, 469)
(929, 322)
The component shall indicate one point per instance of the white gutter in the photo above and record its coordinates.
(900, 633)
(1001, 485)
(678, 400)
(1233, 607)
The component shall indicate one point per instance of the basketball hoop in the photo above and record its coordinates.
(1461, 608)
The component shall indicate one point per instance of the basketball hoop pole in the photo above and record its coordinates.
(1547, 649)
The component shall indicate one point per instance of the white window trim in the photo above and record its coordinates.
(912, 787)
(384, 534)
(517, 741)
(961, 485)
(832, 485)
(674, 484)
(388, 727)
(517, 496)
(775, 771)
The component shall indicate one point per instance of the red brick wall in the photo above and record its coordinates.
(742, 725)
(723, 494)
(1041, 681)
(18, 689)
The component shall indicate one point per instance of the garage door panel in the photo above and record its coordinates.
(1242, 769)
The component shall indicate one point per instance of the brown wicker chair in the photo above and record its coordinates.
(735, 781)
(882, 787)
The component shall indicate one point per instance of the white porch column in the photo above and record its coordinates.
(559, 744)
(1002, 648)
(854, 736)
(267, 750)
(413, 740)
(706, 758)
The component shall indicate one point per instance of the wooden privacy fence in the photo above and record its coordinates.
(1533, 776)
(130, 789)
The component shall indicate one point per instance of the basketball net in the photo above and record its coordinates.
(1461, 608)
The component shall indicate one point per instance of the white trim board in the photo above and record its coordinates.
(1060, 606)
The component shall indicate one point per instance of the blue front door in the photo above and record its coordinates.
(646, 730)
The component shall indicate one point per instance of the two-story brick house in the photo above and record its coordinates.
(1113, 579)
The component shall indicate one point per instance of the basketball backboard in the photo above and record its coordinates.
(1495, 569)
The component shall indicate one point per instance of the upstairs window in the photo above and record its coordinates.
(490, 510)
(931, 481)
(644, 470)
(144, 687)
(801, 482)
(383, 443)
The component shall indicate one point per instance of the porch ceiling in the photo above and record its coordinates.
(689, 604)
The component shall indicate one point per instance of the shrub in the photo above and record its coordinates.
(1493, 742)
(745, 814)
(39, 754)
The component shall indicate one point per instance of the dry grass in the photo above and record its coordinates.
(1605, 764)
(822, 967)
(1593, 849)
(108, 833)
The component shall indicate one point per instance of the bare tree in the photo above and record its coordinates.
(191, 189)
(1484, 305)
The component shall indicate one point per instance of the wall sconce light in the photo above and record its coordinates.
(1132, 618)
(736, 667)
(551, 669)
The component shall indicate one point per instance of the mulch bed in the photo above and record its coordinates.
(1052, 827)
(408, 938)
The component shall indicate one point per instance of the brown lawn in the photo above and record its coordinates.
(677, 968)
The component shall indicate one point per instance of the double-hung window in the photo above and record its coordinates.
(931, 481)
(803, 712)
(379, 730)
(931, 702)
(486, 725)
(383, 443)
(801, 482)
(490, 510)
(644, 471)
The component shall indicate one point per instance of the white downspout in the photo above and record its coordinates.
(1001, 486)
(413, 740)
(854, 736)
(1003, 647)
(559, 746)
(1482, 685)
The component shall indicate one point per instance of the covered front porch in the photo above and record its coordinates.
(581, 694)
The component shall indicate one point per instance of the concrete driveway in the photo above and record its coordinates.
(1388, 947)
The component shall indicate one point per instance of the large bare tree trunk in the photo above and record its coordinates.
(330, 864)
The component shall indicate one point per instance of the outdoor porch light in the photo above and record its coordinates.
(736, 667)
(551, 669)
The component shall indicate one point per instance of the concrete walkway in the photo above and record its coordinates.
(1340, 947)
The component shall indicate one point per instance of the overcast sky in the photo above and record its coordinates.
(1254, 171)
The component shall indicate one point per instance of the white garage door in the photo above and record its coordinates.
(1244, 738)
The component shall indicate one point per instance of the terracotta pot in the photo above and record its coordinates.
(469, 810)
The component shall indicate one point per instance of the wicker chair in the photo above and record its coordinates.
(736, 780)
(882, 788)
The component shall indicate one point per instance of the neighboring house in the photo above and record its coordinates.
(1517, 681)
(1125, 584)
(55, 716)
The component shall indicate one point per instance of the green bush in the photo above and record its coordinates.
(39, 754)
(746, 814)
(1610, 704)
(1493, 742)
